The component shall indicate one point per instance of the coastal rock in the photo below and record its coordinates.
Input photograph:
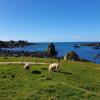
(90, 44)
(76, 46)
(38, 54)
(5, 53)
(13, 44)
(72, 56)
(51, 50)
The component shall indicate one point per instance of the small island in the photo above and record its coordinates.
(90, 44)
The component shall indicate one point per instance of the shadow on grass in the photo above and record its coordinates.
(36, 72)
(65, 72)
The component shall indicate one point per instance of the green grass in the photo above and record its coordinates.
(77, 81)
(17, 59)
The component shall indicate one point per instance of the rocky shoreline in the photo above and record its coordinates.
(8, 53)
(50, 52)
(13, 44)
(90, 44)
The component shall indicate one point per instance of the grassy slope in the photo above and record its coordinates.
(12, 59)
(77, 81)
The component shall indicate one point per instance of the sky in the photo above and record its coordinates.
(50, 20)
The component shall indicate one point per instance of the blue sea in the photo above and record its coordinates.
(85, 52)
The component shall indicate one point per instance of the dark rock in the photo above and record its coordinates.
(76, 46)
(51, 50)
(72, 56)
(91, 44)
(12, 44)
(38, 54)
(7, 53)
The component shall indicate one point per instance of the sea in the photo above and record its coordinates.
(84, 52)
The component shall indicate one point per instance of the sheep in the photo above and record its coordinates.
(54, 67)
(27, 66)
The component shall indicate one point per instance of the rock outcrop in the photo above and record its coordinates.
(72, 56)
(51, 50)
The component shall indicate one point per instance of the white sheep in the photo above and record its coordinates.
(54, 67)
(27, 66)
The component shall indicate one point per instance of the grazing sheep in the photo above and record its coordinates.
(54, 67)
(27, 66)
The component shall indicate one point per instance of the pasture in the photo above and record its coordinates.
(76, 81)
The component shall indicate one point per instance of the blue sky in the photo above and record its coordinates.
(50, 20)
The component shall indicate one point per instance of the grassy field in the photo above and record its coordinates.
(26, 59)
(76, 81)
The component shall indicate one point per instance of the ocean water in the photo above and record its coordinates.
(85, 52)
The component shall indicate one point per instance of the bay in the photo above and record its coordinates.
(84, 52)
